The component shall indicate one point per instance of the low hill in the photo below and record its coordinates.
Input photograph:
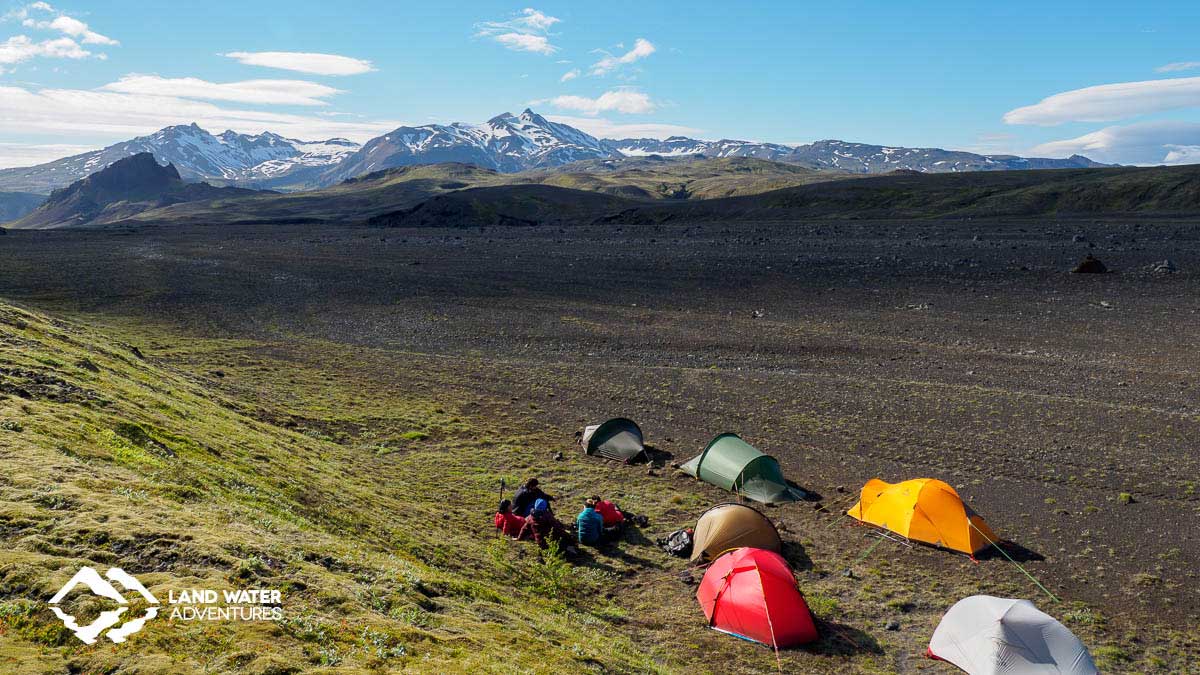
(353, 200)
(688, 178)
(1155, 190)
(16, 205)
(122, 190)
(505, 205)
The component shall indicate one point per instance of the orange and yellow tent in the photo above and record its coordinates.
(923, 509)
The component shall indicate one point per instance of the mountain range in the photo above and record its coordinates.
(506, 143)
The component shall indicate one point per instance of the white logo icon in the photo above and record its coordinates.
(101, 587)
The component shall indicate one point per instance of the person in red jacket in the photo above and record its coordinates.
(609, 512)
(508, 522)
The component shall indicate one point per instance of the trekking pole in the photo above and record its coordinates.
(500, 531)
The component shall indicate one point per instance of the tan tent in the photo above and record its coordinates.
(727, 526)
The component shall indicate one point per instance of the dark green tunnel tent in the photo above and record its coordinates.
(618, 438)
(731, 463)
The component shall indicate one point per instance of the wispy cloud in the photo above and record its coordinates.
(641, 49)
(616, 100)
(115, 115)
(1163, 142)
(526, 32)
(1108, 102)
(278, 92)
(605, 128)
(569, 75)
(305, 62)
(1177, 66)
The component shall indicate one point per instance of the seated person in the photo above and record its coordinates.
(613, 518)
(527, 495)
(508, 522)
(589, 525)
(545, 528)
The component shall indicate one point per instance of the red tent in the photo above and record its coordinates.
(751, 593)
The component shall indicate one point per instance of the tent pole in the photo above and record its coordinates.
(770, 624)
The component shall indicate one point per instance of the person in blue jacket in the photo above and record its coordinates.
(589, 525)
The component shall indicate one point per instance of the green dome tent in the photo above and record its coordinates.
(618, 438)
(731, 463)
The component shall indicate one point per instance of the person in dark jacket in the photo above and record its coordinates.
(545, 528)
(527, 495)
(589, 525)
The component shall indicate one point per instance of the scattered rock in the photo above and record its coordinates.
(891, 624)
(1078, 239)
(651, 472)
(1090, 265)
(558, 456)
(757, 314)
(1164, 267)
(87, 365)
(687, 578)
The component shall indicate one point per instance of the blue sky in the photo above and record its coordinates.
(1115, 81)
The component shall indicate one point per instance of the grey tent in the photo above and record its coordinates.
(618, 438)
(733, 464)
(984, 635)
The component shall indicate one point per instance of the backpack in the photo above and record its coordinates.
(678, 543)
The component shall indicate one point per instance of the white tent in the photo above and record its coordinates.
(984, 635)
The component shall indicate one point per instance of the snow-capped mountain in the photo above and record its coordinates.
(864, 158)
(682, 146)
(844, 156)
(505, 143)
(229, 157)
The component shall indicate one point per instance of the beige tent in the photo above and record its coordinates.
(727, 526)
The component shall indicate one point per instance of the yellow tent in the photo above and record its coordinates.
(923, 509)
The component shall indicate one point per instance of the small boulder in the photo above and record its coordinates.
(1090, 265)
(1164, 267)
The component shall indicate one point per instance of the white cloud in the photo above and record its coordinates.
(641, 49)
(603, 128)
(73, 27)
(521, 42)
(619, 100)
(1108, 102)
(89, 115)
(1163, 142)
(20, 48)
(63, 23)
(569, 75)
(304, 62)
(525, 32)
(280, 92)
(30, 154)
(1177, 66)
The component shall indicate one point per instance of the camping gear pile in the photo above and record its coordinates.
(749, 591)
